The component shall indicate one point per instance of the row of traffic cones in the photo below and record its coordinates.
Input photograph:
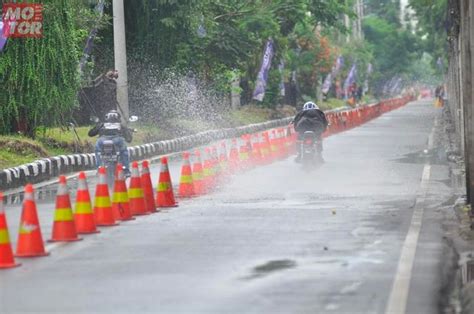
(139, 199)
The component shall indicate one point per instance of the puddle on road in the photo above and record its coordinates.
(270, 267)
(435, 156)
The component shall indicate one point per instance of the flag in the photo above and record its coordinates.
(351, 78)
(334, 72)
(93, 33)
(262, 77)
(281, 68)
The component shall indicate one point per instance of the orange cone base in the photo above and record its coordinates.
(89, 232)
(170, 206)
(10, 265)
(32, 255)
(65, 240)
(107, 225)
(142, 214)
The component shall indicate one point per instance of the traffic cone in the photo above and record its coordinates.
(120, 201)
(148, 188)
(265, 149)
(244, 156)
(135, 193)
(217, 170)
(208, 171)
(186, 183)
(257, 159)
(30, 241)
(104, 216)
(6, 254)
(234, 158)
(165, 195)
(223, 159)
(83, 215)
(64, 227)
(199, 188)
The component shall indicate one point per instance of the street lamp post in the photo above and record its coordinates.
(120, 55)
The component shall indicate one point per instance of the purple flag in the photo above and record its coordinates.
(351, 78)
(334, 72)
(262, 77)
(93, 33)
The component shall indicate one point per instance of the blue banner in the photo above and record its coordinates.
(262, 77)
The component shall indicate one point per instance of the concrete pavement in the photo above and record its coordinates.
(272, 240)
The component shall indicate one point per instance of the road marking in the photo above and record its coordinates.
(398, 298)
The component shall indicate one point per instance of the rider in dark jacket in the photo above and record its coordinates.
(311, 118)
(113, 129)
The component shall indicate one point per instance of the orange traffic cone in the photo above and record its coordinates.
(104, 216)
(208, 171)
(83, 215)
(135, 193)
(234, 158)
(64, 227)
(257, 152)
(186, 184)
(223, 159)
(148, 188)
(30, 241)
(6, 254)
(165, 195)
(120, 202)
(217, 170)
(199, 188)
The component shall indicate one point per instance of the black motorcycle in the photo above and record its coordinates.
(110, 155)
(310, 150)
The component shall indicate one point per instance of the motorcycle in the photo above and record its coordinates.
(311, 150)
(110, 154)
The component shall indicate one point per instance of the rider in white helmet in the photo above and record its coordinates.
(311, 118)
(113, 129)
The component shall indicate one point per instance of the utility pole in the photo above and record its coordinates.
(120, 55)
(466, 95)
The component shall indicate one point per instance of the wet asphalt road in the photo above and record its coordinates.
(272, 240)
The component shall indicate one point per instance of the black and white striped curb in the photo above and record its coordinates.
(47, 168)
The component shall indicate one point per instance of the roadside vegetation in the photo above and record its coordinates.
(185, 55)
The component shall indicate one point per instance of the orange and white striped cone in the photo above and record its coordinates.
(148, 188)
(244, 156)
(234, 158)
(208, 171)
(6, 253)
(199, 188)
(165, 195)
(104, 216)
(264, 148)
(30, 240)
(64, 227)
(120, 201)
(136, 197)
(83, 214)
(223, 162)
(186, 183)
(217, 170)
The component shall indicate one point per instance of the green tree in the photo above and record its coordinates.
(38, 77)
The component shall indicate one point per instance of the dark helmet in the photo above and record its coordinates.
(112, 116)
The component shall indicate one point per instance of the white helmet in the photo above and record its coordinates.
(310, 105)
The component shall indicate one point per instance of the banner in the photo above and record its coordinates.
(262, 77)
(366, 82)
(281, 68)
(3, 38)
(351, 79)
(93, 33)
(334, 72)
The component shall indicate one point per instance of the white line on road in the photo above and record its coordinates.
(398, 299)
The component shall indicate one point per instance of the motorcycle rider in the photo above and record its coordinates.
(311, 118)
(113, 129)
